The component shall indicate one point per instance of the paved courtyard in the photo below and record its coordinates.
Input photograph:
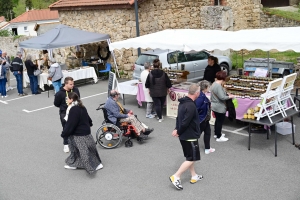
(32, 158)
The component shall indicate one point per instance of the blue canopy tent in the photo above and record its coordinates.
(65, 36)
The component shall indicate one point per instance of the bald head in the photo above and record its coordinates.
(114, 94)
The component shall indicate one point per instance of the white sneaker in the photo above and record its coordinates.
(5, 96)
(99, 167)
(66, 149)
(160, 120)
(162, 117)
(222, 139)
(223, 135)
(196, 179)
(208, 151)
(68, 167)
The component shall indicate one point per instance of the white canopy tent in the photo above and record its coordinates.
(281, 39)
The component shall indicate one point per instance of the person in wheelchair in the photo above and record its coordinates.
(116, 113)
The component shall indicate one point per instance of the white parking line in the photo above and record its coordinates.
(235, 132)
(230, 131)
(3, 102)
(19, 98)
(30, 111)
(36, 109)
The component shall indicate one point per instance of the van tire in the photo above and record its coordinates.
(224, 67)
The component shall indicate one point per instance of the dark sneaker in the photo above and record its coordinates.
(148, 131)
(176, 182)
(145, 137)
(198, 178)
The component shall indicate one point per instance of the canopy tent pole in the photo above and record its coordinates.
(113, 55)
(270, 70)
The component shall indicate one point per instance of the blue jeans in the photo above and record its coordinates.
(33, 83)
(19, 78)
(3, 86)
(57, 85)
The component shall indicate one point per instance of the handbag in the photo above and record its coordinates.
(37, 72)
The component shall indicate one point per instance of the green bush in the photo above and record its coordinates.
(5, 33)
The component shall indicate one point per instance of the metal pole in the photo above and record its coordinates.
(137, 23)
(270, 74)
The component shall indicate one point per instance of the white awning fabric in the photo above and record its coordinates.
(281, 39)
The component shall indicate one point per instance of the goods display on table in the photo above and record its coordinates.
(182, 86)
(276, 100)
(176, 76)
(247, 86)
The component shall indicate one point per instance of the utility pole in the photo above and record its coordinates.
(137, 23)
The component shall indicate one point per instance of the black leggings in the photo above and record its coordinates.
(159, 103)
(205, 127)
(220, 117)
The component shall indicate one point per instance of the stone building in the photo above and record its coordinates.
(117, 18)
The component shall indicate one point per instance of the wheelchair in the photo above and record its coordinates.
(110, 136)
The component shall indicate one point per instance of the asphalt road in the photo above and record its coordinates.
(32, 159)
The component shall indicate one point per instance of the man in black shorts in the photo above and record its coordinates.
(188, 131)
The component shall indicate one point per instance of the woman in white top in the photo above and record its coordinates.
(149, 111)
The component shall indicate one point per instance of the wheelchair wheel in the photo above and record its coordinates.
(109, 136)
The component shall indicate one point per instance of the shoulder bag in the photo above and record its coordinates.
(37, 72)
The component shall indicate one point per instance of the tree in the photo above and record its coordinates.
(28, 4)
(7, 9)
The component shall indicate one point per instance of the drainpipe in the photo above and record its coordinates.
(137, 23)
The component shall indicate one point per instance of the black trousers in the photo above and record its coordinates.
(205, 127)
(63, 123)
(220, 117)
(159, 103)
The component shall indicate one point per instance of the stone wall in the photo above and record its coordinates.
(120, 24)
(294, 2)
(268, 21)
(246, 13)
(11, 46)
(216, 17)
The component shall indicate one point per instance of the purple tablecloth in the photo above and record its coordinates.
(243, 104)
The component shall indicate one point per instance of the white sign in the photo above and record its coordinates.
(172, 102)
(260, 72)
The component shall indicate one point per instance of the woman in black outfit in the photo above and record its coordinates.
(212, 68)
(32, 78)
(158, 83)
(81, 143)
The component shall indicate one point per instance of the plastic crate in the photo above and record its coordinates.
(285, 128)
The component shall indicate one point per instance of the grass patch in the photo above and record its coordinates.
(238, 58)
(282, 13)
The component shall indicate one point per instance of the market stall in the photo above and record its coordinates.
(78, 74)
(64, 36)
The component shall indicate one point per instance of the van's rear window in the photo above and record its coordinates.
(145, 58)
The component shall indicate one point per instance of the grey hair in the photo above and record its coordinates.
(19, 53)
(147, 65)
(53, 60)
(194, 88)
(28, 57)
(204, 85)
